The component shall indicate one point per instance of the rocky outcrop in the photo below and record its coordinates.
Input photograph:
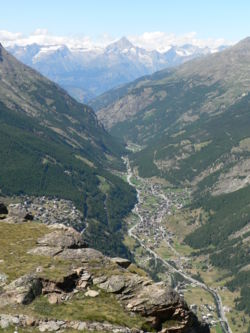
(17, 211)
(66, 238)
(122, 262)
(25, 321)
(22, 291)
(91, 273)
(156, 302)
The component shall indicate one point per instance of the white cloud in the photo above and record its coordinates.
(162, 41)
(42, 37)
(7, 36)
(157, 40)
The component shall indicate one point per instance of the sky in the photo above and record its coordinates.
(144, 21)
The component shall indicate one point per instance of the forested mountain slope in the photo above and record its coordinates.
(52, 145)
(193, 124)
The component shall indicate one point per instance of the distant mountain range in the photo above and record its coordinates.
(87, 73)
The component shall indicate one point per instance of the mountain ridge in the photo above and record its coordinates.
(87, 73)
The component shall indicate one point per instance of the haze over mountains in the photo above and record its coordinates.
(86, 73)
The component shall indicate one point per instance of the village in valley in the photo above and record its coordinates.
(148, 226)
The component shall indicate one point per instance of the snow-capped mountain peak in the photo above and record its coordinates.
(86, 73)
(120, 45)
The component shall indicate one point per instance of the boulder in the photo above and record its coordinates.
(84, 281)
(84, 255)
(3, 209)
(54, 298)
(23, 290)
(66, 239)
(4, 323)
(124, 263)
(114, 284)
(30, 321)
(3, 279)
(45, 251)
(49, 326)
(18, 211)
(92, 293)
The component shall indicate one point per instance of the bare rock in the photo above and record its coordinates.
(3, 279)
(49, 326)
(45, 251)
(124, 263)
(18, 211)
(4, 323)
(100, 279)
(84, 281)
(81, 285)
(66, 239)
(85, 255)
(54, 298)
(23, 290)
(30, 321)
(113, 284)
(92, 293)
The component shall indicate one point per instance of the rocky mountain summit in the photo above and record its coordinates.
(51, 281)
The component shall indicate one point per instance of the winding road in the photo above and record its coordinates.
(221, 314)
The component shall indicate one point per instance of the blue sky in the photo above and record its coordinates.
(212, 19)
(228, 19)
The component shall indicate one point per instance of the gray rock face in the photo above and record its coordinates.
(45, 251)
(45, 325)
(92, 293)
(114, 284)
(85, 255)
(3, 279)
(91, 273)
(66, 239)
(23, 290)
(122, 262)
(50, 326)
(16, 210)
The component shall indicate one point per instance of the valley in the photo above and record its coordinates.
(125, 167)
(158, 246)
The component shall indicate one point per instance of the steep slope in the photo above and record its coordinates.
(223, 75)
(75, 288)
(151, 111)
(193, 123)
(86, 73)
(51, 145)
